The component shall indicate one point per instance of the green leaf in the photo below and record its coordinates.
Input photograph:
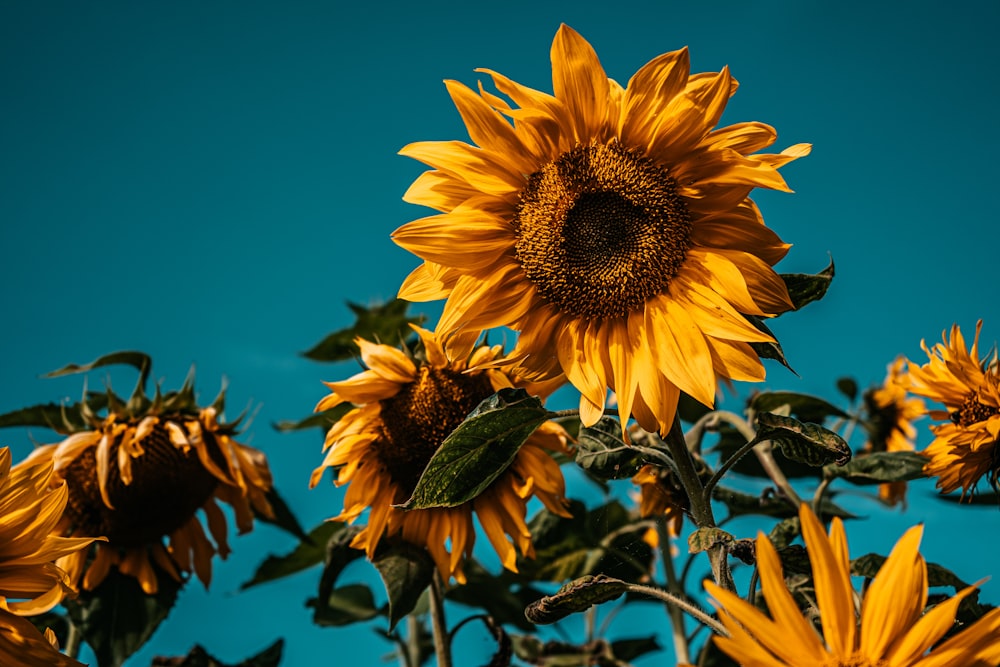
(804, 407)
(117, 618)
(139, 360)
(387, 323)
(705, 538)
(601, 451)
(321, 420)
(343, 606)
(804, 288)
(283, 517)
(848, 387)
(406, 572)
(199, 657)
(740, 504)
(635, 647)
(574, 597)
(802, 441)
(880, 467)
(785, 532)
(308, 553)
(63, 419)
(339, 554)
(478, 451)
(499, 595)
(937, 576)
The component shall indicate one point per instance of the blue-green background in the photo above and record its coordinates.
(209, 182)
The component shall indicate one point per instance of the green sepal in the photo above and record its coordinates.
(117, 617)
(804, 288)
(478, 451)
(138, 360)
(61, 418)
(199, 657)
(768, 350)
(804, 442)
(880, 467)
(386, 322)
(406, 572)
(308, 553)
(576, 596)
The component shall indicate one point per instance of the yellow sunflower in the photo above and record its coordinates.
(610, 226)
(139, 474)
(890, 416)
(892, 630)
(965, 446)
(405, 408)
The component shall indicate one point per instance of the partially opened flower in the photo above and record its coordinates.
(610, 226)
(890, 416)
(892, 628)
(965, 445)
(138, 476)
(30, 583)
(405, 407)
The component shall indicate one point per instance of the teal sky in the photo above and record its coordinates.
(209, 182)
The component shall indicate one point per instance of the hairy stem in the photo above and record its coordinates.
(442, 646)
(676, 588)
(687, 607)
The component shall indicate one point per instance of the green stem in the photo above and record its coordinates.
(763, 451)
(820, 491)
(442, 647)
(671, 599)
(73, 639)
(411, 654)
(675, 587)
(726, 465)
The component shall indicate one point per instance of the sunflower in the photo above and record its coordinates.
(30, 582)
(404, 409)
(890, 423)
(610, 226)
(892, 630)
(140, 473)
(660, 494)
(965, 445)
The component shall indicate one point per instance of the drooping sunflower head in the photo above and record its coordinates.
(890, 413)
(965, 444)
(405, 406)
(612, 227)
(137, 472)
(893, 628)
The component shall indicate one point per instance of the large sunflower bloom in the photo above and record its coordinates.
(893, 630)
(30, 583)
(138, 477)
(610, 226)
(965, 446)
(405, 408)
(891, 413)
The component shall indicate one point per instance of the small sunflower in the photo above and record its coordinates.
(890, 423)
(610, 226)
(965, 446)
(660, 494)
(405, 408)
(139, 475)
(892, 629)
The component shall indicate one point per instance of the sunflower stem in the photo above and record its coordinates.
(411, 650)
(442, 647)
(674, 587)
(701, 508)
(820, 492)
(673, 600)
(73, 639)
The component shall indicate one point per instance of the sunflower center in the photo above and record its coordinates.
(973, 411)
(417, 420)
(600, 230)
(167, 486)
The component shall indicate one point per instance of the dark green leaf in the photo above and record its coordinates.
(574, 597)
(802, 441)
(497, 594)
(343, 606)
(785, 532)
(309, 553)
(704, 539)
(601, 451)
(937, 576)
(199, 657)
(795, 560)
(406, 571)
(117, 618)
(690, 409)
(880, 467)
(805, 288)
(848, 387)
(339, 554)
(386, 323)
(804, 407)
(321, 420)
(62, 419)
(768, 350)
(139, 360)
(283, 517)
(635, 647)
(479, 450)
(740, 504)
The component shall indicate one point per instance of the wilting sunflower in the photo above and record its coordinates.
(610, 226)
(139, 474)
(659, 493)
(30, 582)
(405, 408)
(892, 629)
(965, 446)
(890, 423)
